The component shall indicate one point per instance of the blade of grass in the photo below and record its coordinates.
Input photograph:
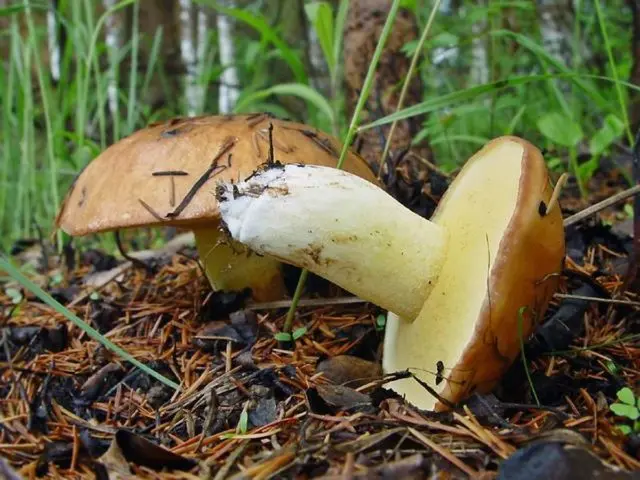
(78, 322)
(523, 356)
(353, 128)
(88, 61)
(543, 54)
(296, 89)
(614, 71)
(473, 92)
(407, 82)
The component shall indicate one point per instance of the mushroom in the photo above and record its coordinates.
(162, 175)
(461, 289)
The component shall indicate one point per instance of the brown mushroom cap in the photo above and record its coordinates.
(118, 189)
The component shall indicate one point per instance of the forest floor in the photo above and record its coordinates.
(252, 407)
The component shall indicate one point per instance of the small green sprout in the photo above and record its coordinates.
(629, 407)
(56, 278)
(14, 294)
(243, 423)
(289, 337)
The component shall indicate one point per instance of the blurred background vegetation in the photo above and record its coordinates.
(76, 75)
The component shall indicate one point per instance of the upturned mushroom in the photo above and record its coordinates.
(164, 175)
(461, 289)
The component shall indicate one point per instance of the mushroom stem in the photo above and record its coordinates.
(340, 227)
(229, 265)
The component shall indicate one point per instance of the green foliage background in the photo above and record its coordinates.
(577, 111)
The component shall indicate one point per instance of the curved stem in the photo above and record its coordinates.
(340, 227)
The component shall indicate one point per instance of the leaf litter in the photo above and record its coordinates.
(250, 406)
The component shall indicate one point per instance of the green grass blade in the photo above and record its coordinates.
(475, 91)
(296, 89)
(540, 52)
(407, 82)
(353, 127)
(523, 356)
(614, 71)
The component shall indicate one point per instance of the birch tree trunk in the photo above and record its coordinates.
(445, 55)
(113, 39)
(228, 92)
(406, 172)
(188, 50)
(479, 54)
(555, 18)
(53, 40)
(634, 75)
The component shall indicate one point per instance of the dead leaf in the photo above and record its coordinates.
(349, 370)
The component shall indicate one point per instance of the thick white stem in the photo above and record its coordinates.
(341, 227)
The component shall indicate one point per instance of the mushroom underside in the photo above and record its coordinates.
(476, 215)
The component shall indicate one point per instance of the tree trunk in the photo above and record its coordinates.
(193, 92)
(555, 18)
(479, 53)
(634, 75)
(442, 56)
(228, 92)
(405, 172)
(113, 40)
(53, 40)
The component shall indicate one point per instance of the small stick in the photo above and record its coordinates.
(211, 416)
(148, 208)
(133, 260)
(255, 119)
(281, 146)
(307, 302)
(226, 146)
(597, 299)
(170, 173)
(271, 156)
(327, 147)
(556, 192)
(593, 209)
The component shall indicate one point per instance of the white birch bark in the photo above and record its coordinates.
(53, 41)
(320, 71)
(188, 53)
(479, 56)
(113, 41)
(556, 33)
(445, 55)
(228, 92)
